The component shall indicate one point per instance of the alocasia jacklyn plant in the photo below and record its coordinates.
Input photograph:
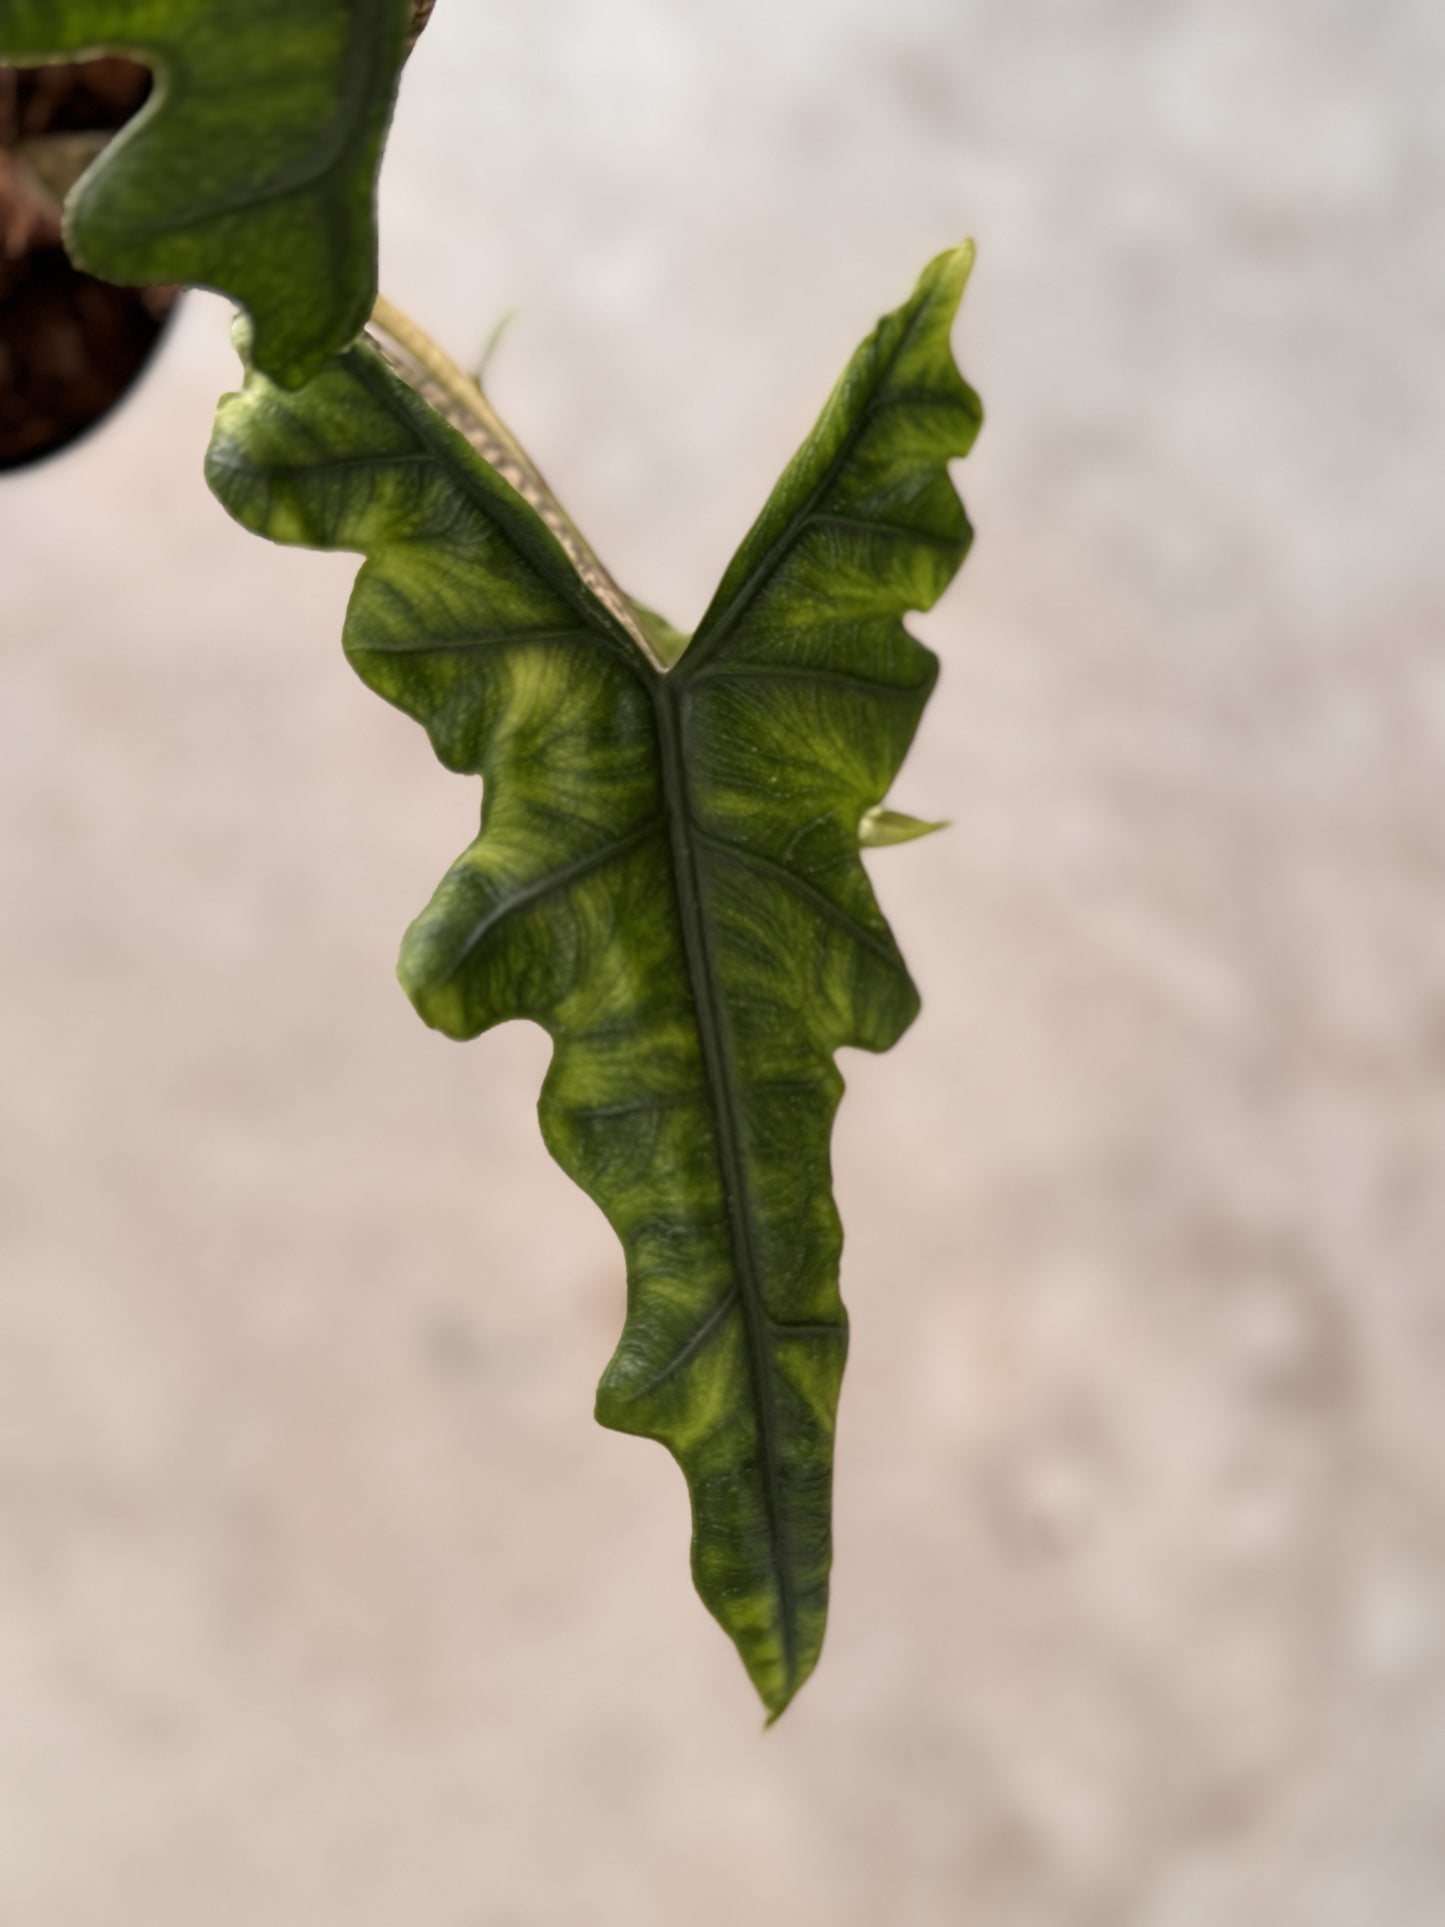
(667, 876)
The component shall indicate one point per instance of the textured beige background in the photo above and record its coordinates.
(321, 1599)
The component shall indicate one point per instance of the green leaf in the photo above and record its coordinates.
(667, 878)
(251, 168)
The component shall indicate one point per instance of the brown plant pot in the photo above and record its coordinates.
(71, 347)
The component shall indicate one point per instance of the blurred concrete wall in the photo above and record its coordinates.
(321, 1598)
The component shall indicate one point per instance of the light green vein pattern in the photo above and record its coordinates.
(667, 878)
(252, 168)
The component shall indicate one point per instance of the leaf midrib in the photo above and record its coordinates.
(436, 438)
(725, 1106)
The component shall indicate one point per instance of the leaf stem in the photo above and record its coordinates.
(461, 399)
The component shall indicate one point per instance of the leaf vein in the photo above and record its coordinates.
(867, 525)
(807, 892)
(693, 1345)
(824, 678)
(534, 893)
(461, 644)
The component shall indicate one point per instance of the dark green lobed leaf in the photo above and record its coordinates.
(667, 878)
(252, 168)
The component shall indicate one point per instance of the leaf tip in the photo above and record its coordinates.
(777, 1694)
(440, 1005)
(255, 346)
(243, 338)
(882, 829)
(952, 268)
(777, 1704)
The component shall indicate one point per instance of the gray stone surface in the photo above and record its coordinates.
(321, 1598)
